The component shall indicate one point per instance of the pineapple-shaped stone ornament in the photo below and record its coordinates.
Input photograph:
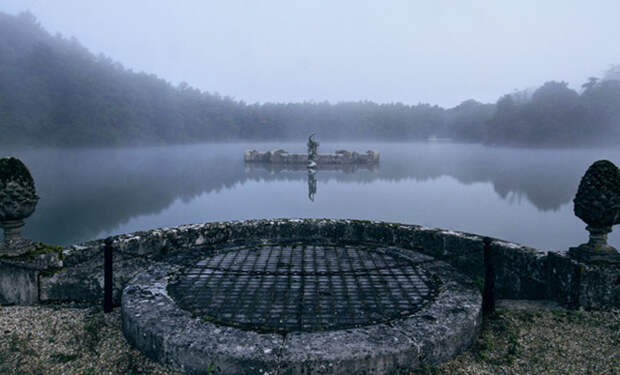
(18, 200)
(597, 203)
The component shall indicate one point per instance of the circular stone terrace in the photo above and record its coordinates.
(301, 307)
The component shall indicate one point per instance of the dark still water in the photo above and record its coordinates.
(520, 195)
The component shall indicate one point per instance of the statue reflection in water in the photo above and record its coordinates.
(311, 183)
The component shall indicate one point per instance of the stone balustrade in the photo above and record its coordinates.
(76, 272)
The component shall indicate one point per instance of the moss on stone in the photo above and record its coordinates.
(38, 249)
(44, 248)
(52, 272)
(208, 318)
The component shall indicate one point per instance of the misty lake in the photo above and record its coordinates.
(521, 195)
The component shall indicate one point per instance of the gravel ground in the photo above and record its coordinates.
(524, 338)
(67, 339)
(528, 337)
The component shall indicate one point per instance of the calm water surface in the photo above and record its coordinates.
(520, 195)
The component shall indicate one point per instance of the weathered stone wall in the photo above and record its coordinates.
(521, 272)
(19, 276)
(18, 285)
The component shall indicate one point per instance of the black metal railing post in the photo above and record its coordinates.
(488, 293)
(107, 276)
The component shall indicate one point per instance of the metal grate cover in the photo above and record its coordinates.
(295, 287)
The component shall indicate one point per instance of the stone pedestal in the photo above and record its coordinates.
(597, 250)
(14, 243)
(586, 254)
(598, 238)
(19, 275)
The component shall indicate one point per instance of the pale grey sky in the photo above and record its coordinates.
(439, 52)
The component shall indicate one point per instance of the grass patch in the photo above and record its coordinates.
(93, 324)
(63, 357)
(499, 342)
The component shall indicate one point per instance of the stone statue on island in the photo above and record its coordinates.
(313, 147)
(18, 200)
(597, 203)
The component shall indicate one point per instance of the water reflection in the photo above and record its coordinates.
(277, 168)
(274, 168)
(311, 184)
(88, 192)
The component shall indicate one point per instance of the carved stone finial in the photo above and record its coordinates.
(597, 203)
(18, 200)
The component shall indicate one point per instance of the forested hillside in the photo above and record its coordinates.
(54, 92)
(557, 115)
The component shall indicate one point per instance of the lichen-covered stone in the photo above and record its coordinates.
(154, 323)
(12, 169)
(521, 272)
(598, 199)
(18, 198)
(598, 204)
(19, 276)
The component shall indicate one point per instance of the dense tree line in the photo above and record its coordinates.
(557, 115)
(54, 92)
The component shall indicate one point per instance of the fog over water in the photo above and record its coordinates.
(514, 194)
(438, 52)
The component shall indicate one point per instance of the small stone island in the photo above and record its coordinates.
(312, 158)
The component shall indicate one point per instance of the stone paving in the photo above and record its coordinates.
(296, 287)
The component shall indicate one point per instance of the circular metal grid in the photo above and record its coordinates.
(293, 287)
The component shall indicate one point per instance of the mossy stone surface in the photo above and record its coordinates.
(38, 248)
